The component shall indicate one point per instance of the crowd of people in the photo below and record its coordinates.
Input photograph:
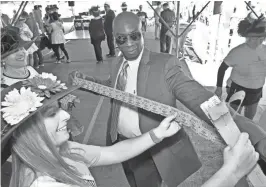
(154, 151)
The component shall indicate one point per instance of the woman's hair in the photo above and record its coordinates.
(245, 27)
(55, 16)
(33, 153)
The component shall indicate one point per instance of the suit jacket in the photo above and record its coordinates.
(108, 22)
(160, 78)
(169, 17)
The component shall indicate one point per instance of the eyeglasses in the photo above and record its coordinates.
(123, 38)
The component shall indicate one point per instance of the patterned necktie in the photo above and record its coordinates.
(120, 85)
(122, 78)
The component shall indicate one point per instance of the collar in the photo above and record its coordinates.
(98, 17)
(136, 62)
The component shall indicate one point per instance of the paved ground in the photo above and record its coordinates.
(83, 59)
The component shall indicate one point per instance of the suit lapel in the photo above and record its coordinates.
(143, 73)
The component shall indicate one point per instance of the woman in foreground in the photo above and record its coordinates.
(43, 156)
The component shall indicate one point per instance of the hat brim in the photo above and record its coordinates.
(255, 35)
(22, 44)
(10, 129)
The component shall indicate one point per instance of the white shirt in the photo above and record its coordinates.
(128, 120)
(9, 81)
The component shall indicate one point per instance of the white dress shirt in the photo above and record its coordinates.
(128, 119)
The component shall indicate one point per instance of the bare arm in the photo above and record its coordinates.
(130, 148)
(222, 178)
(125, 150)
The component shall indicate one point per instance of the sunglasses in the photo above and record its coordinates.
(123, 38)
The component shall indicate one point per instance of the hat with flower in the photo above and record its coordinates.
(22, 100)
(11, 41)
(252, 26)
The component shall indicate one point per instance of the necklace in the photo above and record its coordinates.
(13, 73)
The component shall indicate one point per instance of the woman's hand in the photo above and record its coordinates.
(219, 91)
(168, 127)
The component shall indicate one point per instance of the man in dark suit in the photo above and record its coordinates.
(108, 28)
(169, 17)
(158, 77)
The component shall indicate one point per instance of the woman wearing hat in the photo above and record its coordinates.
(14, 57)
(34, 127)
(248, 62)
(34, 122)
(26, 35)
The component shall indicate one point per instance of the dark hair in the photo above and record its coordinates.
(158, 3)
(55, 16)
(165, 4)
(245, 27)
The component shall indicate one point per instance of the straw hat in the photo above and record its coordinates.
(22, 100)
(11, 41)
(258, 26)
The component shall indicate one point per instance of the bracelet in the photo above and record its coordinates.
(154, 138)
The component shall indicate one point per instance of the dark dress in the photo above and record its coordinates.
(97, 36)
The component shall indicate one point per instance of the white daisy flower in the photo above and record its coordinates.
(19, 104)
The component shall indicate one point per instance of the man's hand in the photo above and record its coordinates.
(77, 74)
(168, 127)
(241, 158)
(219, 92)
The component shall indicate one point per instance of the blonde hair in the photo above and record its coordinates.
(29, 158)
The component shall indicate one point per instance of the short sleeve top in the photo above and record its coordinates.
(89, 152)
(248, 66)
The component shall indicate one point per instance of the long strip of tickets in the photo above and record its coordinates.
(183, 118)
(220, 116)
(230, 134)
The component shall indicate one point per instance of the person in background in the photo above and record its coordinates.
(47, 20)
(97, 35)
(248, 62)
(55, 8)
(58, 38)
(108, 28)
(37, 55)
(169, 17)
(157, 22)
(143, 18)
(124, 7)
(37, 14)
(14, 57)
(27, 35)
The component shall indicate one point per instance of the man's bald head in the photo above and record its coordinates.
(128, 35)
(126, 21)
